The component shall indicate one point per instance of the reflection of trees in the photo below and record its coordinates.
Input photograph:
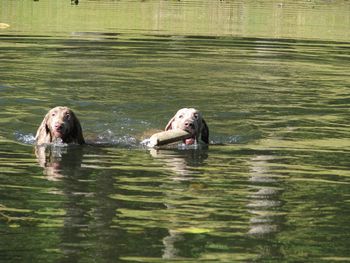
(267, 19)
(265, 204)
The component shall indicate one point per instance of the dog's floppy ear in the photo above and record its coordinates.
(77, 131)
(204, 132)
(43, 133)
(169, 125)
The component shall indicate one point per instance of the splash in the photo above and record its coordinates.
(110, 138)
(30, 139)
(24, 138)
(146, 143)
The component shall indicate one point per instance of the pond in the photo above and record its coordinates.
(272, 80)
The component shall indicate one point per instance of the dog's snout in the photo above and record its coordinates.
(58, 126)
(189, 124)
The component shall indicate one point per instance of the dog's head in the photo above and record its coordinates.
(60, 123)
(190, 120)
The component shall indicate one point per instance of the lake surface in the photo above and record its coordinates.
(272, 80)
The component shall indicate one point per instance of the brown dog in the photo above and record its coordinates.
(190, 120)
(60, 123)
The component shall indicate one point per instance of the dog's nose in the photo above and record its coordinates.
(189, 124)
(58, 126)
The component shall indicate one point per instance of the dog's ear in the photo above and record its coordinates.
(204, 132)
(43, 133)
(170, 123)
(77, 131)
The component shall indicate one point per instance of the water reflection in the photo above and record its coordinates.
(57, 160)
(265, 204)
(181, 162)
(89, 216)
(290, 19)
(87, 210)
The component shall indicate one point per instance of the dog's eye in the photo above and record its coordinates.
(195, 115)
(67, 116)
(53, 114)
(181, 116)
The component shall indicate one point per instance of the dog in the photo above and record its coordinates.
(60, 124)
(190, 120)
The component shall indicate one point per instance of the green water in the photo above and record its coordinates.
(272, 80)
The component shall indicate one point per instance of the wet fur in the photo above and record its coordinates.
(65, 117)
(190, 119)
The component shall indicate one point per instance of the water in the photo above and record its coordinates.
(272, 80)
